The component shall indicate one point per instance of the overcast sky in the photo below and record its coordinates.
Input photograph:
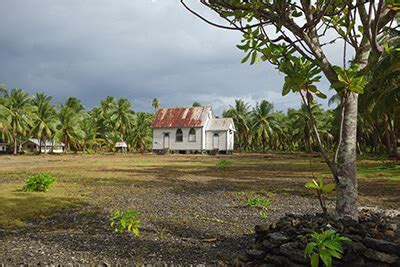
(138, 49)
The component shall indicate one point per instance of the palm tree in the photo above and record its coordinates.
(196, 104)
(69, 127)
(17, 107)
(156, 104)
(75, 104)
(265, 124)
(140, 137)
(121, 116)
(45, 120)
(92, 138)
(240, 114)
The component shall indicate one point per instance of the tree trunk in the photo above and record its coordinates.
(15, 145)
(346, 189)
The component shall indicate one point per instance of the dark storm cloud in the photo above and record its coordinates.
(137, 49)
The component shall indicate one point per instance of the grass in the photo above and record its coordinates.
(120, 181)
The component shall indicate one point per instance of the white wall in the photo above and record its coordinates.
(158, 137)
(222, 144)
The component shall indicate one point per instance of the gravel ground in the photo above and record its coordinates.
(170, 235)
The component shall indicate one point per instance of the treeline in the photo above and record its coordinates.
(23, 116)
(261, 128)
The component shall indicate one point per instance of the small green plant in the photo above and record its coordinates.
(263, 214)
(126, 220)
(321, 188)
(41, 182)
(223, 164)
(259, 202)
(325, 246)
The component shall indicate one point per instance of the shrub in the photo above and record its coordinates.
(259, 202)
(263, 214)
(324, 246)
(321, 188)
(41, 182)
(126, 220)
(223, 164)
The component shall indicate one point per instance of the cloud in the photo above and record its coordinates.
(135, 49)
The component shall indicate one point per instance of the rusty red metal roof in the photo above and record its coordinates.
(181, 117)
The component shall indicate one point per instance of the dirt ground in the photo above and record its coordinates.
(191, 211)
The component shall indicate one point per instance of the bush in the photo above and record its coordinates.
(259, 202)
(41, 182)
(324, 246)
(223, 164)
(126, 220)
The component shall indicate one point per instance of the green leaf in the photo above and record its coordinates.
(328, 188)
(244, 60)
(314, 260)
(326, 258)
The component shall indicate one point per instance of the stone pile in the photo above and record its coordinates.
(375, 240)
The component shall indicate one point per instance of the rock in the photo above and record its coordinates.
(389, 234)
(277, 238)
(262, 228)
(393, 226)
(268, 245)
(256, 254)
(276, 259)
(292, 252)
(380, 256)
(382, 245)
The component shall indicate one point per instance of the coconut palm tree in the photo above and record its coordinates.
(121, 116)
(69, 127)
(264, 124)
(140, 138)
(156, 104)
(75, 104)
(17, 108)
(45, 121)
(240, 113)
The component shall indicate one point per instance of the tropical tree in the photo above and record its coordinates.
(156, 104)
(45, 119)
(75, 104)
(17, 113)
(196, 104)
(140, 137)
(69, 127)
(293, 36)
(240, 113)
(265, 124)
(121, 116)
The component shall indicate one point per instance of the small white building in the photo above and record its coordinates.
(121, 146)
(3, 147)
(49, 146)
(192, 129)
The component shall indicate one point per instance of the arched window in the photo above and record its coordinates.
(179, 135)
(192, 135)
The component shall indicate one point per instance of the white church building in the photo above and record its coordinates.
(192, 129)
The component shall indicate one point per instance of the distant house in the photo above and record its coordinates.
(4, 148)
(48, 146)
(192, 129)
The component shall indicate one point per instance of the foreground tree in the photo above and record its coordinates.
(292, 34)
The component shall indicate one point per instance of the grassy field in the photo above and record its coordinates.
(95, 180)
(183, 201)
